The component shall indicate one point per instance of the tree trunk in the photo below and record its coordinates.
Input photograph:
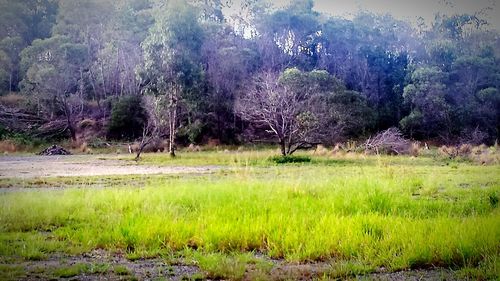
(171, 148)
(69, 120)
(10, 81)
(172, 112)
(72, 131)
(171, 135)
(283, 147)
(143, 145)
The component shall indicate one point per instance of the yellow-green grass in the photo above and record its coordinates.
(263, 157)
(391, 212)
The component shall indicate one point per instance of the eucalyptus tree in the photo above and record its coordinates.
(112, 72)
(229, 62)
(462, 57)
(172, 64)
(21, 22)
(288, 37)
(53, 77)
(430, 110)
(474, 93)
(371, 54)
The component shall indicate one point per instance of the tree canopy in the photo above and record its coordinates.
(346, 78)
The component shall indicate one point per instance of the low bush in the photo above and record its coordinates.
(482, 154)
(415, 149)
(98, 143)
(127, 119)
(8, 146)
(156, 145)
(321, 151)
(290, 159)
(15, 142)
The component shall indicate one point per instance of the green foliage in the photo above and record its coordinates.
(351, 112)
(373, 71)
(219, 266)
(4, 132)
(443, 53)
(20, 138)
(128, 118)
(291, 159)
(26, 140)
(193, 132)
(12, 272)
(427, 97)
(493, 198)
(348, 269)
(121, 270)
(171, 50)
(21, 22)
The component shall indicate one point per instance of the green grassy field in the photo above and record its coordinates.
(353, 215)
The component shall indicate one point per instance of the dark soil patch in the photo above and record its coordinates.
(415, 275)
(102, 265)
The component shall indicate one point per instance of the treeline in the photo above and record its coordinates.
(94, 60)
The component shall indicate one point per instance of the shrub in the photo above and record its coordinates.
(22, 139)
(4, 132)
(485, 156)
(473, 136)
(464, 149)
(478, 154)
(97, 143)
(127, 118)
(192, 132)
(448, 151)
(156, 145)
(8, 146)
(290, 159)
(321, 151)
(415, 149)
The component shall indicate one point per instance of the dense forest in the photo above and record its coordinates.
(188, 72)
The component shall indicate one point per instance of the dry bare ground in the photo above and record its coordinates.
(144, 269)
(84, 165)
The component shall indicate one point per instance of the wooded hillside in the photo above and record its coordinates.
(263, 73)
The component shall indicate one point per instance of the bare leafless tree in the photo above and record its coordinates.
(156, 121)
(297, 120)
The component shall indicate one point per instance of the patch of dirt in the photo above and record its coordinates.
(415, 275)
(146, 269)
(310, 271)
(160, 269)
(85, 165)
